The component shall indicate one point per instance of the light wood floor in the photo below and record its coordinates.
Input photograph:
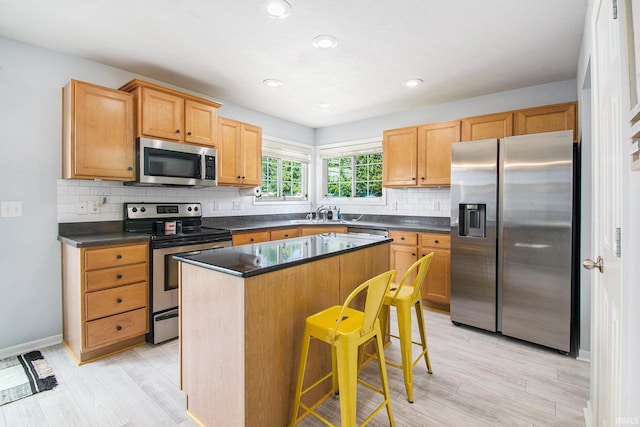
(479, 379)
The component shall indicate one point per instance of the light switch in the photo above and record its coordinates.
(11, 209)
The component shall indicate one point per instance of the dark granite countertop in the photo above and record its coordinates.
(88, 234)
(389, 222)
(259, 258)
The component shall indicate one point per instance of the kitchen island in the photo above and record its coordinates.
(242, 319)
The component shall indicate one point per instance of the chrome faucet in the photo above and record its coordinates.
(321, 209)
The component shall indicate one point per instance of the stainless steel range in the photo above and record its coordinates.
(174, 228)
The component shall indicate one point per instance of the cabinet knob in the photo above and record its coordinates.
(437, 241)
(286, 235)
(402, 238)
(118, 328)
(118, 256)
(119, 276)
(413, 178)
(129, 168)
(243, 177)
(188, 133)
(238, 176)
(177, 130)
(252, 239)
(413, 254)
(422, 178)
(119, 300)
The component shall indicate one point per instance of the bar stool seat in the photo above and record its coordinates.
(346, 330)
(403, 296)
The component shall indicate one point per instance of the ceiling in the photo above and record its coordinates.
(226, 48)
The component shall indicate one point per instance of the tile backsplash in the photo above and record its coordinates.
(87, 201)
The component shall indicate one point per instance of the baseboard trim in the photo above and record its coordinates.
(30, 346)
(588, 415)
(584, 356)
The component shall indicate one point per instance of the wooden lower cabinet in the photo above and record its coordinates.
(437, 286)
(319, 229)
(105, 298)
(285, 233)
(404, 251)
(250, 237)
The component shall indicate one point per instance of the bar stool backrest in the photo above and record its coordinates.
(422, 265)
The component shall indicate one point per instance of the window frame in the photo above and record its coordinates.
(291, 151)
(347, 149)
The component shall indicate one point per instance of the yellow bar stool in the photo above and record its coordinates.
(346, 329)
(402, 296)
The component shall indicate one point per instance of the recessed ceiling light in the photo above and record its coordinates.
(276, 8)
(324, 42)
(324, 105)
(272, 82)
(412, 82)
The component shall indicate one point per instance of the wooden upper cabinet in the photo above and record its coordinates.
(251, 158)
(434, 152)
(173, 115)
(400, 158)
(239, 153)
(161, 115)
(548, 118)
(488, 126)
(98, 133)
(200, 123)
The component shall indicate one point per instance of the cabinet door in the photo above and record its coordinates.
(228, 146)
(200, 123)
(436, 287)
(251, 157)
(399, 158)
(549, 118)
(434, 152)
(488, 126)
(285, 233)
(162, 115)
(250, 238)
(98, 134)
(403, 257)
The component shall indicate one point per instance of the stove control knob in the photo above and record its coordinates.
(196, 209)
(134, 210)
(189, 208)
(142, 209)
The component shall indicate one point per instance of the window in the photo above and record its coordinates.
(282, 179)
(355, 176)
(284, 171)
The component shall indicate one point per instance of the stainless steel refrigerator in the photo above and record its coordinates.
(511, 236)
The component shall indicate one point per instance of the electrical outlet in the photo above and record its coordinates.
(81, 208)
(436, 206)
(394, 205)
(236, 205)
(94, 207)
(216, 206)
(11, 209)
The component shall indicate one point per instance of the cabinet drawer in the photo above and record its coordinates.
(112, 329)
(285, 233)
(404, 237)
(118, 276)
(250, 238)
(116, 300)
(434, 240)
(113, 256)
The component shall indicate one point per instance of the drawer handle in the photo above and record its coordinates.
(402, 238)
(118, 256)
(118, 328)
(437, 241)
(188, 133)
(413, 254)
(177, 130)
(119, 300)
(252, 239)
(286, 235)
(119, 276)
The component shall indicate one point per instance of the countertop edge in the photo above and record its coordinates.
(110, 239)
(279, 266)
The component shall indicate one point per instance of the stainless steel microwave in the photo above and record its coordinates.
(170, 163)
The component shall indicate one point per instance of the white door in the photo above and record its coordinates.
(609, 111)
